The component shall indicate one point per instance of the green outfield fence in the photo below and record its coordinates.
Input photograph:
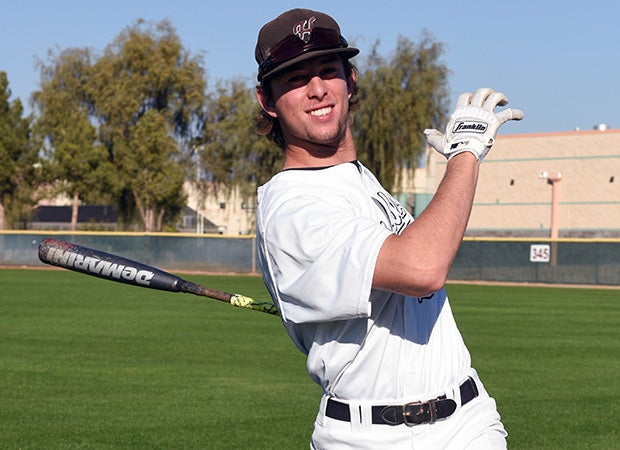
(168, 251)
(558, 261)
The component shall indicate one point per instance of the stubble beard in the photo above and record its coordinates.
(330, 138)
(322, 141)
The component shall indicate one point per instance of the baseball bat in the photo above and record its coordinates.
(116, 268)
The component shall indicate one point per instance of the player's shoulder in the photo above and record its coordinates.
(312, 180)
(326, 189)
(293, 183)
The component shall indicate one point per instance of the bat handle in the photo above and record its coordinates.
(242, 301)
(238, 300)
(193, 288)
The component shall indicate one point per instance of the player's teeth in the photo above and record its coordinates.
(321, 112)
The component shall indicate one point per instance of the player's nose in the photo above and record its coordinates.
(317, 88)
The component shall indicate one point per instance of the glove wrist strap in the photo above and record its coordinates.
(468, 145)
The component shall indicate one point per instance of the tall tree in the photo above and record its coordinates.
(18, 158)
(400, 97)
(145, 70)
(76, 164)
(144, 162)
(233, 154)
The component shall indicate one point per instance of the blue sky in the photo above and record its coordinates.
(558, 61)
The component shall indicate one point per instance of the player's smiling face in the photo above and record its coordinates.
(311, 102)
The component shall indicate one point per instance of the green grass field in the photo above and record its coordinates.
(86, 363)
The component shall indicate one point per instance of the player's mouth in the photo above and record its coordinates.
(321, 111)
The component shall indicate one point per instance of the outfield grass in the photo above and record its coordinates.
(85, 363)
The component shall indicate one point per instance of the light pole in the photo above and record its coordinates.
(554, 178)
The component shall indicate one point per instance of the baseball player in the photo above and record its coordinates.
(358, 282)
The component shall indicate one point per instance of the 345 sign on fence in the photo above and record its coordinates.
(540, 253)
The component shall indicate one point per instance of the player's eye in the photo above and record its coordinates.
(297, 78)
(329, 72)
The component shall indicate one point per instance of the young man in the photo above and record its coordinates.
(358, 282)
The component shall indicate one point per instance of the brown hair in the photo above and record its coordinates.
(269, 127)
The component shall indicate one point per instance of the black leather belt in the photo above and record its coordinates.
(414, 413)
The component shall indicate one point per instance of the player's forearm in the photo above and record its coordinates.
(446, 217)
(417, 262)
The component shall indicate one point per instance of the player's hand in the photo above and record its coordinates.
(473, 124)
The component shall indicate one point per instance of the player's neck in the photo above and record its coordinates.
(297, 156)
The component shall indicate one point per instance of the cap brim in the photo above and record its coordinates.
(349, 52)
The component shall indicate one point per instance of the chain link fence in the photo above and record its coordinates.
(563, 261)
(172, 252)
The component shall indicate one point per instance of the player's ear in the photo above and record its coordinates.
(266, 101)
(351, 83)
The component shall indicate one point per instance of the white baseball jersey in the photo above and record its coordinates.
(319, 233)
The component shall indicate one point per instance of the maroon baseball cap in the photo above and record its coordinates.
(295, 36)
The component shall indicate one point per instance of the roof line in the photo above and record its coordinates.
(559, 133)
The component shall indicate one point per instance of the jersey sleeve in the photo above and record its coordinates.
(320, 261)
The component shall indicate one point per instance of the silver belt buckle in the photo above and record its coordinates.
(420, 412)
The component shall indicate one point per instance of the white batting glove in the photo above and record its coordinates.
(473, 124)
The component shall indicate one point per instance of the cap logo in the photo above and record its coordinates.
(303, 29)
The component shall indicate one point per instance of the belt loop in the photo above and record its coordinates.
(456, 395)
(356, 416)
(323, 406)
(366, 415)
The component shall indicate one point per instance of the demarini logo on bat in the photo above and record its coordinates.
(97, 266)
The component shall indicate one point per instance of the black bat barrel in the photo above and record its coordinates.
(105, 265)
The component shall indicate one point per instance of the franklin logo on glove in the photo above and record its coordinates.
(475, 127)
